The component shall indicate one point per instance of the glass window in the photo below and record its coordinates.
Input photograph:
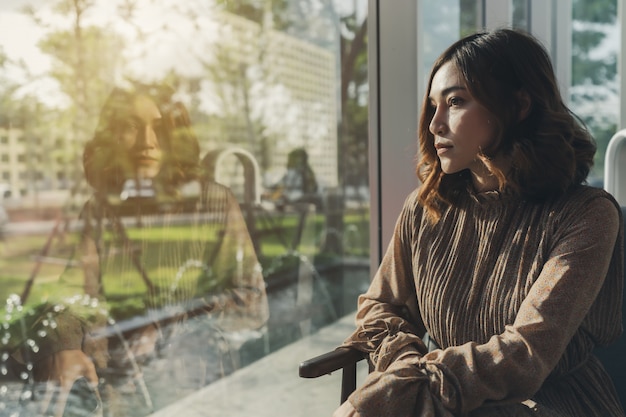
(594, 95)
(594, 92)
(207, 206)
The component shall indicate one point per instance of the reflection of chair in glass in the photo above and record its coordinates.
(259, 221)
(292, 278)
(213, 163)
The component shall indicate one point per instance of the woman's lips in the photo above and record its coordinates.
(442, 148)
(143, 159)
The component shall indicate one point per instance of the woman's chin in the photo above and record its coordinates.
(146, 172)
(449, 169)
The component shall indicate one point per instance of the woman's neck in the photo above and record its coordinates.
(484, 179)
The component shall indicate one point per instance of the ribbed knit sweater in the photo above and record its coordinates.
(516, 293)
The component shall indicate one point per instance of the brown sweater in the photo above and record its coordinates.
(517, 294)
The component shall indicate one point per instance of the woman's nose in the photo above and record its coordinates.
(437, 125)
(147, 138)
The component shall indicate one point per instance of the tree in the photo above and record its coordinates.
(85, 61)
(8, 111)
(354, 103)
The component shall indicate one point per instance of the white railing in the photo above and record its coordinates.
(615, 167)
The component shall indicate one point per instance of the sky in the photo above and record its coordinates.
(162, 51)
(19, 36)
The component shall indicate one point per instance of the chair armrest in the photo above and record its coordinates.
(326, 363)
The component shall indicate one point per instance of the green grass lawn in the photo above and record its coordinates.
(53, 278)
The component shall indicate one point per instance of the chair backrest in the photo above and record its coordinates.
(614, 356)
(615, 167)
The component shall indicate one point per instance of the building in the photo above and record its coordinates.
(282, 96)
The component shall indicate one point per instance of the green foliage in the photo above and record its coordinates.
(92, 58)
(28, 327)
(354, 159)
(255, 10)
(594, 75)
(469, 17)
(586, 70)
(595, 11)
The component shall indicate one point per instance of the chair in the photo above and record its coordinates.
(342, 358)
(612, 357)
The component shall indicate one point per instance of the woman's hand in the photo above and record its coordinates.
(60, 371)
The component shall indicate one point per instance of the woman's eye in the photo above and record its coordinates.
(455, 101)
(130, 125)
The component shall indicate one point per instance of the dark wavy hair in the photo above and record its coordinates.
(106, 163)
(550, 149)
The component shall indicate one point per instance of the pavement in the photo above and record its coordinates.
(271, 386)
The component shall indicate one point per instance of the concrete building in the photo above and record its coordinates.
(29, 167)
(283, 96)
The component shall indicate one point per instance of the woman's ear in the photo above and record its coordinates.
(525, 104)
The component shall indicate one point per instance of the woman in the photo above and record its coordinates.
(504, 271)
(168, 267)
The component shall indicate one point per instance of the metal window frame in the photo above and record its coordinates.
(393, 115)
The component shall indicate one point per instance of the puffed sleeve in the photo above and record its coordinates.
(510, 366)
(388, 320)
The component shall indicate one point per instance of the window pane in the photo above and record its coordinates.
(521, 14)
(595, 88)
(184, 190)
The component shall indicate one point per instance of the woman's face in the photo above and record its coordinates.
(460, 125)
(139, 137)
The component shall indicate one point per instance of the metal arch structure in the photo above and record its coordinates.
(615, 167)
(251, 171)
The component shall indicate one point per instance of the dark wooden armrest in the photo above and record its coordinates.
(341, 358)
(329, 362)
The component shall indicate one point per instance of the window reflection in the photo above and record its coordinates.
(184, 189)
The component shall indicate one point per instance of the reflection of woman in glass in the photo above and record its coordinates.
(168, 257)
(298, 184)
